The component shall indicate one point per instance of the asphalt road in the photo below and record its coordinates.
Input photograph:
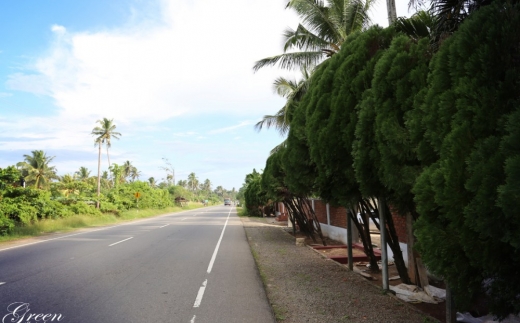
(191, 267)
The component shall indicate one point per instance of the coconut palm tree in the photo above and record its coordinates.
(36, 170)
(193, 181)
(104, 133)
(82, 174)
(292, 91)
(322, 31)
(152, 182)
(206, 186)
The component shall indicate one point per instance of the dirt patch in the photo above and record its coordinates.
(437, 311)
(341, 252)
(318, 242)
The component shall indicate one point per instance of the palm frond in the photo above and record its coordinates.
(420, 25)
(356, 15)
(316, 15)
(284, 87)
(302, 39)
(291, 60)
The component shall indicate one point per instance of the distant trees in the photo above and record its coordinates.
(103, 133)
(36, 169)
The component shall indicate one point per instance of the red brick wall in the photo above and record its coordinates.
(338, 217)
(320, 208)
(400, 226)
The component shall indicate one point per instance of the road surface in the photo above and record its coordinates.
(190, 267)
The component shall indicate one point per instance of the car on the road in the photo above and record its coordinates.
(227, 202)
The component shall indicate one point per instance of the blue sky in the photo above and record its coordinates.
(175, 75)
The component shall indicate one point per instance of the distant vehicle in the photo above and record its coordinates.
(227, 202)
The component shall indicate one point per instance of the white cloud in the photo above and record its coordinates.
(231, 128)
(58, 29)
(196, 58)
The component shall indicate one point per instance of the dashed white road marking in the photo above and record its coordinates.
(120, 241)
(200, 294)
(193, 319)
(164, 225)
(90, 231)
(1, 283)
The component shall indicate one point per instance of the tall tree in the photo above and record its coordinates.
(466, 193)
(83, 173)
(322, 31)
(193, 182)
(103, 134)
(206, 186)
(292, 91)
(170, 171)
(220, 191)
(152, 182)
(36, 169)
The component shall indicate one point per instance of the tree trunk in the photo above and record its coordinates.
(392, 14)
(108, 157)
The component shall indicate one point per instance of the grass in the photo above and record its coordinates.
(242, 211)
(74, 222)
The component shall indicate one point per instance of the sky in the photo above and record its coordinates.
(175, 76)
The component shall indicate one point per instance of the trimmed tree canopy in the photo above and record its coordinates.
(467, 197)
(385, 159)
(331, 112)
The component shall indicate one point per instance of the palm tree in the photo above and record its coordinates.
(291, 90)
(220, 191)
(170, 172)
(193, 182)
(134, 174)
(104, 133)
(206, 186)
(36, 169)
(323, 30)
(83, 173)
(152, 182)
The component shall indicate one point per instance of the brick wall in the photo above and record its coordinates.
(400, 226)
(320, 208)
(338, 216)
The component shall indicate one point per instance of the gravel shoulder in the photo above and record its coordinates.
(303, 286)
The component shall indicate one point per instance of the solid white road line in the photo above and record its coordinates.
(200, 294)
(120, 242)
(218, 244)
(164, 225)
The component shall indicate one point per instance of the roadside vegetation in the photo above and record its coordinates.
(422, 116)
(35, 200)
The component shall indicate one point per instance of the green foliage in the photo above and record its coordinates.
(385, 160)
(36, 169)
(254, 196)
(335, 92)
(296, 158)
(9, 176)
(467, 232)
(273, 177)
